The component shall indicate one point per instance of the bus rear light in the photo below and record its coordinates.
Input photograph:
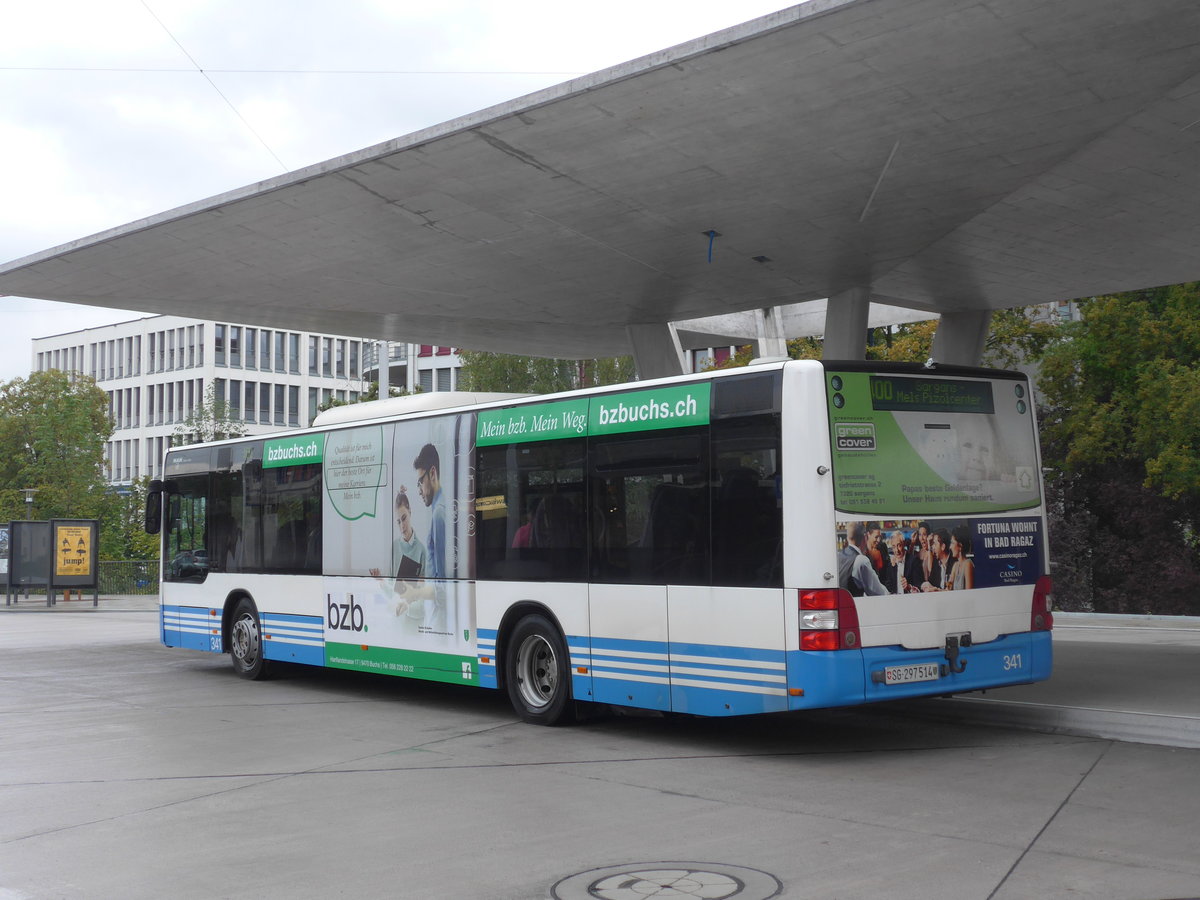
(828, 620)
(819, 640)
(1042, 616)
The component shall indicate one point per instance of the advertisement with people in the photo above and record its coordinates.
(397, 548)
(923, 556)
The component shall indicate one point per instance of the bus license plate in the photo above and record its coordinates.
(907, 674)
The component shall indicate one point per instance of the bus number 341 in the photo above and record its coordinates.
(1012, 661)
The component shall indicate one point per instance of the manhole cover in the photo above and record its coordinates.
(661, 880)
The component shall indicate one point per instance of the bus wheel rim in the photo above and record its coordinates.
(245, 639)
(537, 671)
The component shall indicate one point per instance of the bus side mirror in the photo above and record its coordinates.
(154, 507)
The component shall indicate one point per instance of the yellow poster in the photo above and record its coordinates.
(73, 550)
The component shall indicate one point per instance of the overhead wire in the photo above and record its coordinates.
(213, 84)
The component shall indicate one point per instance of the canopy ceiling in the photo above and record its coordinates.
(949, 155)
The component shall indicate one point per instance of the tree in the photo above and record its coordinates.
(483, 371)
(122, 525)
(52, 433)
(212, 420)
(1120, 435)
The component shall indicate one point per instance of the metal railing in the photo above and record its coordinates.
(128, 576)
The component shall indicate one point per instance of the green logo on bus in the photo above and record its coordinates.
(646, 410)
(292, 451)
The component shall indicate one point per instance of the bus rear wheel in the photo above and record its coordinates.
(537, 672)
(245, 641)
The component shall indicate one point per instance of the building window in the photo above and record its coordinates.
(443, 379)
(326, 353)
(293, 405)
(313, 402)
(235, 345)
(251, 348)
(280, 409)
(264, 404)
(264, 350)
(354, 345)
(199, 345)
(427, 380)
(248, 406)
(313, 366)
(219, 344)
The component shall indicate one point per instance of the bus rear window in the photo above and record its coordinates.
(922, 446)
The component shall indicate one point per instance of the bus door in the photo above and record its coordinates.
(649, 529)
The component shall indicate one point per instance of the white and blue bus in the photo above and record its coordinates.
(788, 536)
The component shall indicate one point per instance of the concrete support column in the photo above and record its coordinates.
(961, 337)
(771, 340)
(656, 350)
(384, 369)
(846, 324)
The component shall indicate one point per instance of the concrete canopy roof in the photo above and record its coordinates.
(949, 154)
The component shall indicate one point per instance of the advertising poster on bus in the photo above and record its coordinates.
(955, 452)
(397, 548)
(945, 446)
(912, 556)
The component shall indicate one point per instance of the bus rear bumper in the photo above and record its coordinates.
(875, 674)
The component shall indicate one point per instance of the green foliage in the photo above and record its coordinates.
(483, 371)
(1013, 339)
(212, 420)
(52, 434)
(122, 525)
(1120, 434)
(1124, 384)
(798, 348)
(910, 342)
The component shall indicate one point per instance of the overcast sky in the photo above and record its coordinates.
(111, 110)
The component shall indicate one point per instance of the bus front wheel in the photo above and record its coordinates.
(537, 672)
(245, 641)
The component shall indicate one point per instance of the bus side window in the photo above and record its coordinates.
(530, 507)
(651, 508)
(747, 509)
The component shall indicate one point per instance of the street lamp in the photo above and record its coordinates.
(29, 492)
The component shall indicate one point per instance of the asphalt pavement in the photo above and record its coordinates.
(134, 770)
(1128, 678)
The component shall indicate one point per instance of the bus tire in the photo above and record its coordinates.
(537, 672)
(245, 641)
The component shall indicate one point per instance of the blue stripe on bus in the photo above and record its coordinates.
(758, 654)
(485, 647)
(292, 638)
(658, 648)
(709, 679)
(191, 627)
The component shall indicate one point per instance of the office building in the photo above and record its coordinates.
(157, 371)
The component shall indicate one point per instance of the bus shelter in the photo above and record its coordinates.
(58, 554)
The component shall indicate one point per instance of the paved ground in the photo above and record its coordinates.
(131, 770)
